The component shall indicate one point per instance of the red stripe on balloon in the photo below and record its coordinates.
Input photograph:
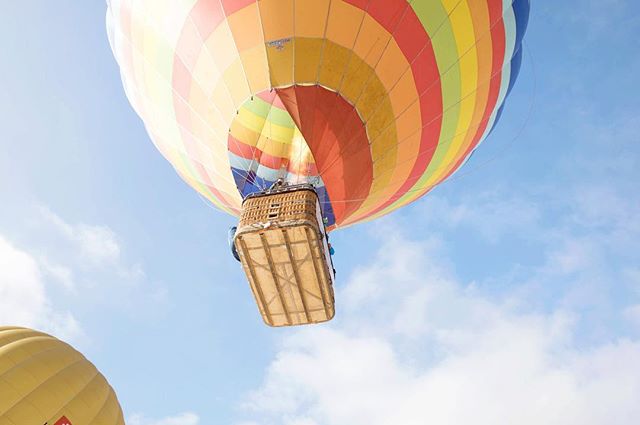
(427, 77)
(332, 128)
(250, 153)
(498, 38)
(241, 149)
(232, 6)
(207, 15)
(399, 19)
(386, 12)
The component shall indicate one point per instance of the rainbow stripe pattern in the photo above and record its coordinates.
(375, 102)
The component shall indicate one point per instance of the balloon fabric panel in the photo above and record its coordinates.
(43, 380)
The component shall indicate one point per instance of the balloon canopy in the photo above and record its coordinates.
(45, 381)
(375, 102)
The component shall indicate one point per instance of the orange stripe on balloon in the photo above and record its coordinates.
(427, 77)
(481, 21)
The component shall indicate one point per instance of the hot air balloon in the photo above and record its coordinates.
(45, 381)
(372, 103)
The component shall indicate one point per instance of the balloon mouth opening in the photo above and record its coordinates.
(265, 134)
(301, 134)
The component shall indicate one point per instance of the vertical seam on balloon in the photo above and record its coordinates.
(472, 94)
(448, 154)
(22, 362)
(293, 53)
(430, 187)
(425, 189)
(510, 51)
(268, 141)
(58, 372)
(258, 185)
(365, 85)
(95, 376)
(170, 84)
(224, 203)
(267, 71)
(178, 124)
(254, 159)
(110, 395)
(488, 81)
(173, 90)
(206, 47)
(345, 69)
(226, 21)
(324, 43)
(224, 82)
(391, 37)
(444, 110)
(392, 34)
(353, 45)
(293, 71)
(264, 44)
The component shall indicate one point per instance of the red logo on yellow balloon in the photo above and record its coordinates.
(63, 421)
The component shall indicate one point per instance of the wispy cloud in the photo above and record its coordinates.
(602, 16)
(97, 245)
(49, 279)
(632, 313)
(24, 299)
(490, 213)
(89, 260)
(187, 418)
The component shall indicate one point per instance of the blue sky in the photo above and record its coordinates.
(510, 294)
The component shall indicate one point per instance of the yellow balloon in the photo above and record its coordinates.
(44, 381)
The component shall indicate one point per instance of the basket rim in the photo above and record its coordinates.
(283, 189)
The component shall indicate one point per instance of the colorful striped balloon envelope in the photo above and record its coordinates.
(374, 102)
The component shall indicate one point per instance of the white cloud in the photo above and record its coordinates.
(412, 345)
(97, 244)
(23, 295)
(187, 418)
(489, 213)
(64, 269)
(59, 273)
(572, 255)
(89, 247)
(632, 276)
(632, 314)
(598, 17)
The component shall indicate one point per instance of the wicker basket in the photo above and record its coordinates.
(283, 248)
(279, 207)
